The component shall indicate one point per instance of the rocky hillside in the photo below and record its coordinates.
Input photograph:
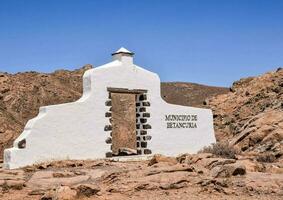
(189, 94)
(250, 116)
(22, 94)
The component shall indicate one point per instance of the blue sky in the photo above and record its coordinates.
(213, 42)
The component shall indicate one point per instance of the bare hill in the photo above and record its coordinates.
(189, 94)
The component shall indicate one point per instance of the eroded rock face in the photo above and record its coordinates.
(251, 115)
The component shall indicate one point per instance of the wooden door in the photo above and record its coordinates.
(123, 124)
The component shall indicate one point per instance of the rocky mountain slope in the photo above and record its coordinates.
(189, 94)
(22, 94)
(251, 115)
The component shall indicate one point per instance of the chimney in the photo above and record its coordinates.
(124, 56)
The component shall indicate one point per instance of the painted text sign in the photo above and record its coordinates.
(181, 121)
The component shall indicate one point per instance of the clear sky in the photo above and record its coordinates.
(213, 42)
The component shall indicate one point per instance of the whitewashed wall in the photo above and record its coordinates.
(76, 130)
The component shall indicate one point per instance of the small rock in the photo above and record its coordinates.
(127, 151)
(193, 158)
(177, 185)
(65, 193)
(15, 184)
(160, 158)
(251, 166)
(221, 161)
(63, 174)
(228, 170)
(87, 189)
(36, 192)
(47, 196)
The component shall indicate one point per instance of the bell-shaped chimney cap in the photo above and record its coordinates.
(123, 55)
(122, 50)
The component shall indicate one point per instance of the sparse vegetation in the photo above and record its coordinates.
(266, 158)
(222, 149)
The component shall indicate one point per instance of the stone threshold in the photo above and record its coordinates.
(131, 158)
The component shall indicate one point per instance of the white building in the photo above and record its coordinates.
(121, 112)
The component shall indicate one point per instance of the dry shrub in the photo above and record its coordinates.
(266, 158)
(222, 149)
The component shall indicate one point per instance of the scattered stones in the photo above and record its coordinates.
(97, 179)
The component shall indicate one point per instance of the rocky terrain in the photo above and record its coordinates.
(189, 94)
(251, 115)
(22, 94)
(199, 176)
